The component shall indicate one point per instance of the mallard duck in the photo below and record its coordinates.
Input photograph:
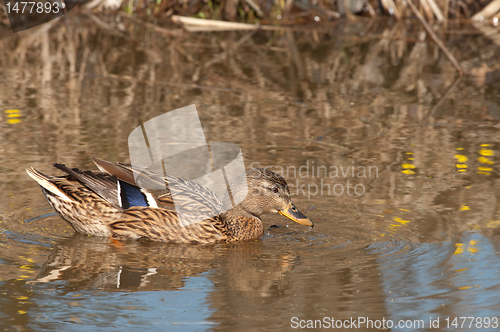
(110, 203)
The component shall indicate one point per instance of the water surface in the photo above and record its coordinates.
(384, 147)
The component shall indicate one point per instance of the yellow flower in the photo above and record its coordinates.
(401, 221)
(485, 160)
(461, 158)
(486, 152)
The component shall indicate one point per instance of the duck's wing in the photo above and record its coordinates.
(126, 173)
(191, 215)
(188, 195)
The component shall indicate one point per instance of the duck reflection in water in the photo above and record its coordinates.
(92, 262)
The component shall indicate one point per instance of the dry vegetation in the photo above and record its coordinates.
(300, 11)
(290, 12)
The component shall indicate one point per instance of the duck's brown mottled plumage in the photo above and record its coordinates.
(90, 203)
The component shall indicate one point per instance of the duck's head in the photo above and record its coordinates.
(267, 193)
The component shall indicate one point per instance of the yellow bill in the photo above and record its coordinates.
(292, 213)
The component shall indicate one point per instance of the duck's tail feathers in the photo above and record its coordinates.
(44, 181)
(103, 185)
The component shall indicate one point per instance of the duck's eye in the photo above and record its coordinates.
(275, 190)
